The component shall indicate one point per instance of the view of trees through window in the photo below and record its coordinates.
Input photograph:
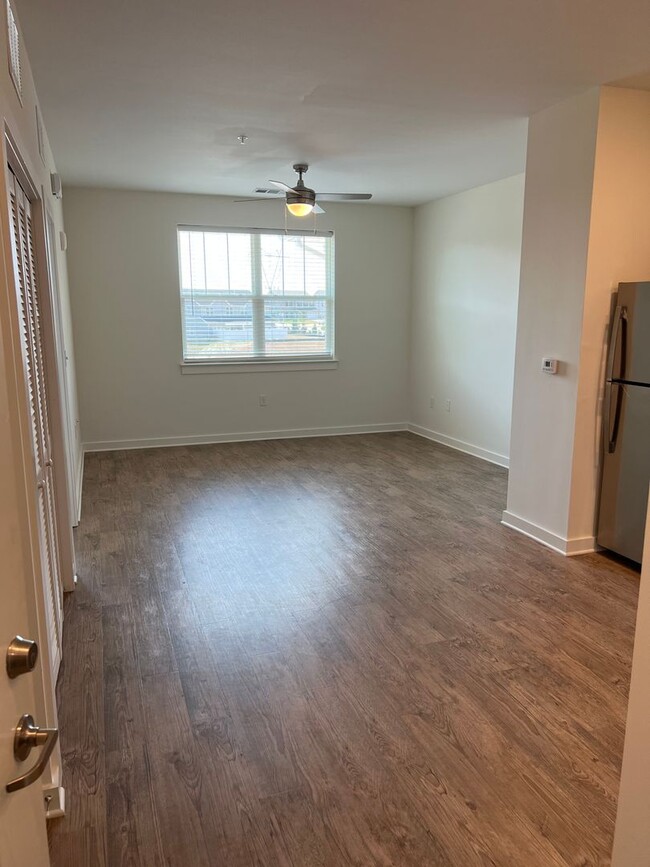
(247, 295)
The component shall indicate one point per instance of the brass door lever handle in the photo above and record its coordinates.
(28, 735)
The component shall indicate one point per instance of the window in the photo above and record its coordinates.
(256, 295)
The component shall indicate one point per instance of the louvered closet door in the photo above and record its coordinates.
(22, 235)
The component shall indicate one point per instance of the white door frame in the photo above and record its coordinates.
(47, 712)
(53, 351)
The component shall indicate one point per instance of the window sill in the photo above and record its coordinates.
(195, 367)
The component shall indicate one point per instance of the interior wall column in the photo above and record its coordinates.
(586, 225)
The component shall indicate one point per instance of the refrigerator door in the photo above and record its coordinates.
(626, 470)
(629, 359)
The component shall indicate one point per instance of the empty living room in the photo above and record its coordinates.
(325, 434)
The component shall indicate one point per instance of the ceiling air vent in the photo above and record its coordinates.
(266, 191)
(13, 38)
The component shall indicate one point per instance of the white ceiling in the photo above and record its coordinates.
(407, 99)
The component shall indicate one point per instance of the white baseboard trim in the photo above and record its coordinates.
(206, 439)
(79, 483)
(567, 547)
(459, 445)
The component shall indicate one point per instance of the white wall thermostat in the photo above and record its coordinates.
(549, 365)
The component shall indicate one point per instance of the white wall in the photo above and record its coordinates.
(467, 251)
(557, 207)
(124, 276)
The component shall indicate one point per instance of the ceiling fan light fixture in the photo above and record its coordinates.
(301, 199)
(300, 209)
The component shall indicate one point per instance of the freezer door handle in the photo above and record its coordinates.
(619, 329)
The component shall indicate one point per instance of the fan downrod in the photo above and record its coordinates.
(300, 169)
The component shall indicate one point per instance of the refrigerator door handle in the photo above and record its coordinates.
(607, 400)
(618, 328)
(612, 434)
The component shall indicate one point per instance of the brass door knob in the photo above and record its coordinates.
(27, 736)
(22, 655)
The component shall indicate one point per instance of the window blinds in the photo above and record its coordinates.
(256, 294)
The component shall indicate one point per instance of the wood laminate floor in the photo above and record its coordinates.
(330, 652)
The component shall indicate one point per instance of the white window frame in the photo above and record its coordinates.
(257, 363)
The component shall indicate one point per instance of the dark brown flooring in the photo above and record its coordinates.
(330, 652)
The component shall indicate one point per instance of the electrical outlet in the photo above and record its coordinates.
(431, 403)
(263, 400)
(447, 406)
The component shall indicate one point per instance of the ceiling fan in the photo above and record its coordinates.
(301, 200)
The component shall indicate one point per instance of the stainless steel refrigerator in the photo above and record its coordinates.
(626, 425)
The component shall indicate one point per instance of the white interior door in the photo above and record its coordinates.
(23, 839)
(31, 337)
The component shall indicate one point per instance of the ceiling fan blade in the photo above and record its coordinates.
(282, 186)
(344, 197)
(318, 210)
(258, 199)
